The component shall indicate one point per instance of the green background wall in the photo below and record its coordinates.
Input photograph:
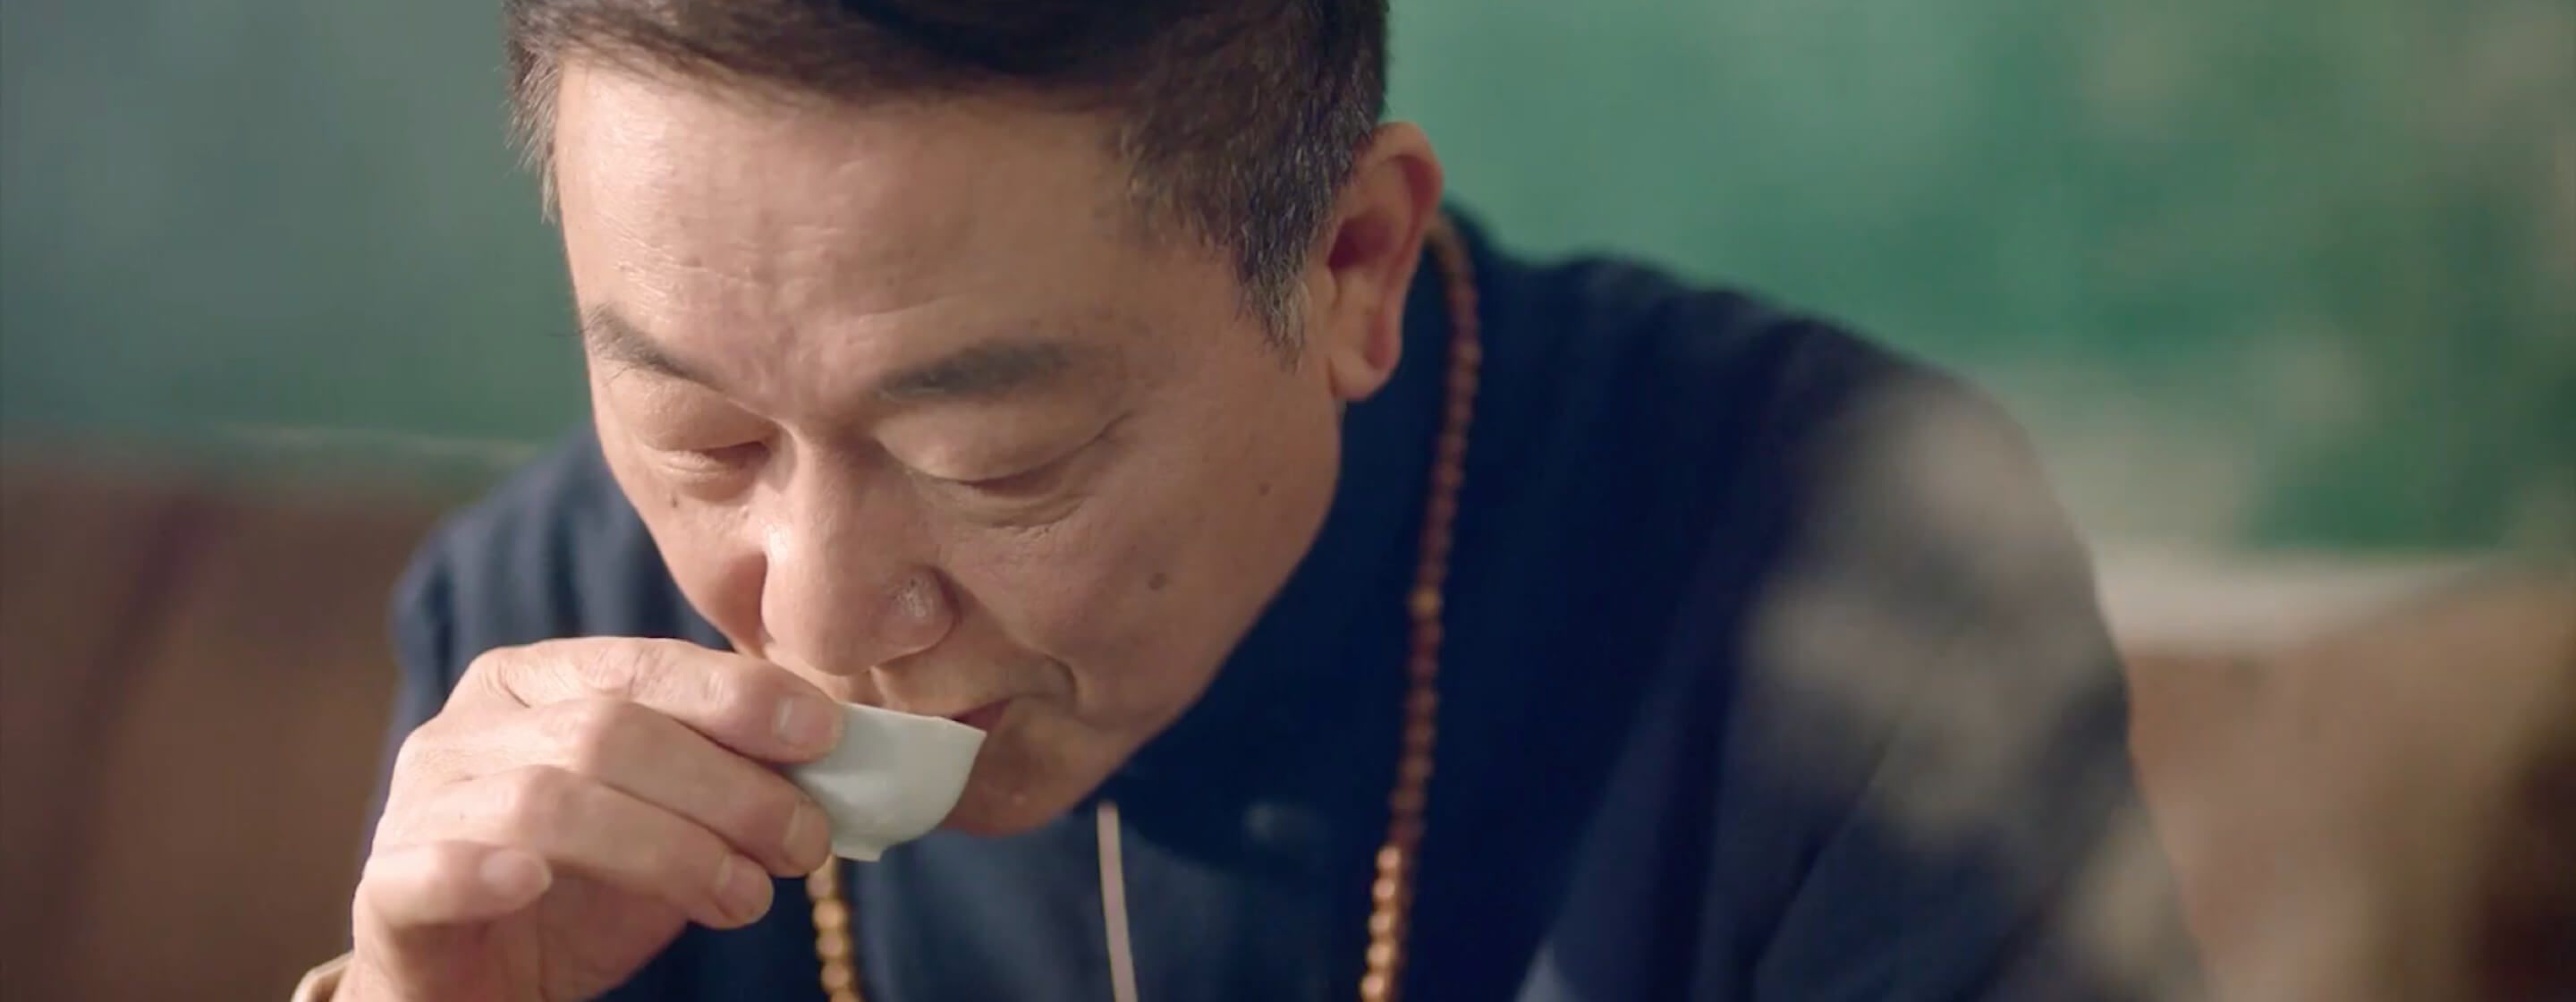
(2295, 272)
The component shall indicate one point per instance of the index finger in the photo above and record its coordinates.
(753, 707)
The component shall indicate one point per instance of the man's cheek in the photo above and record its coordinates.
(1080, 610)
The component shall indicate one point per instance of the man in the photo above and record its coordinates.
(1351, 608)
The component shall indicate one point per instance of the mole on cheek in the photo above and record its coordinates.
(1264, 488)
(1157, 581)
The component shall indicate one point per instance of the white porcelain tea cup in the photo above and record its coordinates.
(892, 779)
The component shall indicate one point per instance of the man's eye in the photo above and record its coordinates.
(1034, 482)
(721, 460)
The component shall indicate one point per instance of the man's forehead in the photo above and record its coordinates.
(878, 253)
(739, 187)
(978, 369)
(675, 201)
(621, 127)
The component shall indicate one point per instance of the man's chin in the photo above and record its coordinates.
(1033, 769)
(991, 810)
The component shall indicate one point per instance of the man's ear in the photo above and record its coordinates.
(1356, 286)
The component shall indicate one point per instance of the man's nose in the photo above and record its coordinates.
(848, 584)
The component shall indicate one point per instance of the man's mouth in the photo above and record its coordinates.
(983, 718)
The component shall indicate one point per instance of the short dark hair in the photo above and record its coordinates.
(1238, 119)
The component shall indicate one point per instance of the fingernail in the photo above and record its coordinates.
(805, 722)
(742, 888)
(512, 873)
(809, 838)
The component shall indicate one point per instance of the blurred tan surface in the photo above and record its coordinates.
(193, 684)
(2383, 808)
(2378, 812)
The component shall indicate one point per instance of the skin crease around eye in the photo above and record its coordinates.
(1079, 541)
(1021, 458)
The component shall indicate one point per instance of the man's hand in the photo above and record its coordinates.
(572, 806)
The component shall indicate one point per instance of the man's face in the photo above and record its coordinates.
(912, 408)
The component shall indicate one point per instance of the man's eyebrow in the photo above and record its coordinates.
(984, 370)
(614, 338)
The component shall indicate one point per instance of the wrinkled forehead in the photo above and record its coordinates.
(781, 249)
(671, 176)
